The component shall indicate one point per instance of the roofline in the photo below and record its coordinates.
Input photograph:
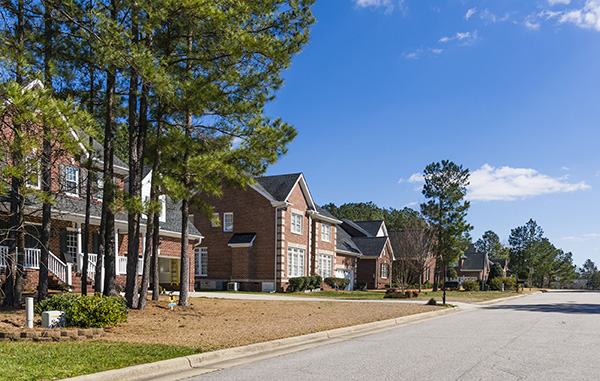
(304, 188)
(318, 216)
(348, 253)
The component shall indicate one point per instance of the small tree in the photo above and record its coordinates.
(445, 188)
(496, 272)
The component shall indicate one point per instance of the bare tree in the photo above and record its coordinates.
(412, 249)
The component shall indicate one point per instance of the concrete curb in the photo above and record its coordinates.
(169, 369)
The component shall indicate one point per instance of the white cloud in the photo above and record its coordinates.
(416, 178)
(414, 55)
(581, 237)
(531, 23)
(563, 168)
(436, 51)
(554, 2)
(466, 37)
(505, 183)
(410, 204)
(388, 5)
(470, 13)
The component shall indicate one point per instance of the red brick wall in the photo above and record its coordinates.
(252, 213)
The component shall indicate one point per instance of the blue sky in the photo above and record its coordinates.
(507, 88)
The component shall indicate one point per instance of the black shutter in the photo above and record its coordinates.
(61, 178)
(63, 243)
(95, 242)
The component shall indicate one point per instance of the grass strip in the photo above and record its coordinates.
(47, 361)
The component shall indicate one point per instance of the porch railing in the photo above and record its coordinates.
(60, 269)
(123, 265)
(32, 258)
(3, 254)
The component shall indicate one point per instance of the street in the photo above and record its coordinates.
(553, 336)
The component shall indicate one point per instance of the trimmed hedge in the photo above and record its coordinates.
(302, 283)
(361, 286)
(496, 284)
(87, 311)
(393, 293)
(337, 283)
(471, 285)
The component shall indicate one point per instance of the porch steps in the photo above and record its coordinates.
(55, 283)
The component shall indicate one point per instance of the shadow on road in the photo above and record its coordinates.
(565, 308)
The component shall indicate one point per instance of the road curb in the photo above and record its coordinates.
(495, 301)
(169, 367)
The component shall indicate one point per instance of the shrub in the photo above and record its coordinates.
(496, 284)
(392, 293)
(60, 302)
(87, 311)
(297, 284)
(432, 302)
(360, 286)
(452, 285)
(523, 274)
(470, 285)
(311, 282)
(319, 281)
(451, 273)
(340, 283)
(509, 283)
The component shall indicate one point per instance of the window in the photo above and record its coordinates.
(325, 265)
(71, 179)
(162, 216)
(384, 270)
(427, 274)
(296, 223)
(216, 221)
(227, 222)
(98, 190)
(201, 259)
(71, 245)
(295, 262)
(326, 232)
(34, 177)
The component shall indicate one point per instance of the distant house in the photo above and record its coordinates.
(503, 263)
(370, 238)
(473, 265)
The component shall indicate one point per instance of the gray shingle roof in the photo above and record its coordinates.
(344, 242)
(370, 246)
(278, 186)
(353, 229)
(474, 260)
(370, 226)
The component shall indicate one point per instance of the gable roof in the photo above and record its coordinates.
(373, 227)
(279, 187)
(370, 246)
(474, 260)
(353, 229)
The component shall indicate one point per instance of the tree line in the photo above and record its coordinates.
(179, 86)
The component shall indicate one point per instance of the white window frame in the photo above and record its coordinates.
(227, 225)
(296, 262)
(201, 260)
(383, 266)
(162, 216)
(427, 274)
(296, 223)
(68, 181)
(325, 232)
(325, 265)
(71, 244)
(99, 193)
(216, 221)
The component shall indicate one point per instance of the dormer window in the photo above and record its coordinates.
(70, 180)
(296, 223)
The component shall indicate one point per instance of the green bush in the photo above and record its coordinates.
(510, 284)
(470, 285)
(60, 302)
(297, 284)
(393, 293)
(432, 302)
(339, 283)
(523, 274)
(452, 285)
(319, 281)
(87, 311)
(451, 273)
(496, 284)
(360, 286)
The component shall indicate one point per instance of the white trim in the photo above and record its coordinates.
(294, 228)
(225, 229)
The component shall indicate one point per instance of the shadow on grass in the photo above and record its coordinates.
(565, 308)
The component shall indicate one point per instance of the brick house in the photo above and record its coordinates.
(67, 226)
(374, 262)
(473, 265)
(262, 236)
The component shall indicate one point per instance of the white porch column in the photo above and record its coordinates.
(117, 251)
(79, 248)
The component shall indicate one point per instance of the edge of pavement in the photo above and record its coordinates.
(181, 367)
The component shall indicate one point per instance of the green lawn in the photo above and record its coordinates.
(425, 295)
(36, 361)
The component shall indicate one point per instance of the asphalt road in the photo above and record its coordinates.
(550, 336)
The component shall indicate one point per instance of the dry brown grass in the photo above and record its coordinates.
(222, 323)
